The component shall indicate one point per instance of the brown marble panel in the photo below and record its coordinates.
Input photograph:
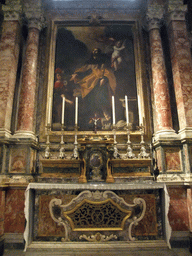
(14, 211)
(2, 211)
(173, 159)
(178, 212)
(46, 225)
(148, 225)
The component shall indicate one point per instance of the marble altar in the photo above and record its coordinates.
(42, 232)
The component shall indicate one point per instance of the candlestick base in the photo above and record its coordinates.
(47, 149)
(75, 150)
(143, 153)
(115, 153)
(130, 153)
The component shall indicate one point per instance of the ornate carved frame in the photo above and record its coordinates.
(141, 81)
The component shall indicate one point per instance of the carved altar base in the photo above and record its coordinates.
(85, 218)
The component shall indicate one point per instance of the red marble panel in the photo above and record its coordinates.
(178, 211)
(46, 225)
(9, 51)
(182, 71)
(14, 211)
(2, 211)
(172, 159)
(189, 203)
(148, 225)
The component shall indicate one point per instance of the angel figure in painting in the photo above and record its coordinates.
(97, 83)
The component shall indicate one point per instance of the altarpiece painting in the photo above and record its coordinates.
(94, 63)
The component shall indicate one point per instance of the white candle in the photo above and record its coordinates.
(139, 110)
(49, 111)
(63, 111)
(76, 110)
(126, 108)
(113, 109)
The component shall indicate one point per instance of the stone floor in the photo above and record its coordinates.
(159, 252)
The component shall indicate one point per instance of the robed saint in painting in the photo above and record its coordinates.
(94, 64)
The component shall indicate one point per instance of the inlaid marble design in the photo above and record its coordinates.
(2, 211)
(178, 212)
(173, 159)
(18, 160)
(14, 211)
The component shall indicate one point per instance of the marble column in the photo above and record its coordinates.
(159, 77)
(181, 64)
(25, 126)
(9, 55)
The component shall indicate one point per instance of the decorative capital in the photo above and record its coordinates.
(35, 16)
(175, 10)
(12, 10)
(154, 16)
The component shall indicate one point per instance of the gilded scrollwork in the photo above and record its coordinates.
(97, 211)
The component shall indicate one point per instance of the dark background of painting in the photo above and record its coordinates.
(73, 48)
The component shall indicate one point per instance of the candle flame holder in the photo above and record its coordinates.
(62, 148)
(143, 153)
(130, 153)
(47, 149)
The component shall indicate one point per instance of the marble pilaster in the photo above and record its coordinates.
(181, 64)
(9, 54)
(160, 84)
(25, 126)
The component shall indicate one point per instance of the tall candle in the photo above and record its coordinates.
(63, 111)
(139, 110)
(113, 109)
(126, 109)
(76, 110)
(49, 111)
